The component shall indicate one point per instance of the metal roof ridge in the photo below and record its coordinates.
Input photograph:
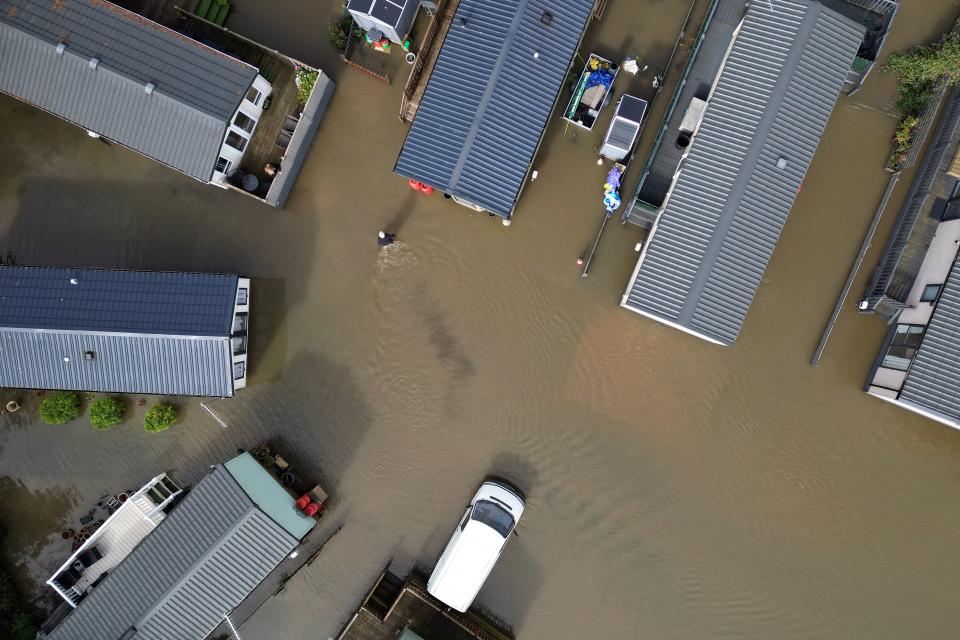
(487, 93)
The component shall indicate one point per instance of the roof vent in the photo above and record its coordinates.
(89, 355)
(61, 47)
(66, 358)
(546, 19)
(74, 281)
(781, 163)
(148, 88)
(94, 62)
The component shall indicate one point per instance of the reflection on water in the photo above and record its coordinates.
(676, 489)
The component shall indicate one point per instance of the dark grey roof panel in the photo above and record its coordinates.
(106, 102)
(933, 381)
(137, 49)
(488, 100)
(363, 6)
(122, 363)
(212, 550)
(387, 11)
(119, 301)
(718, 229)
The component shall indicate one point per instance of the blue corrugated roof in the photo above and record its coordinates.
(718, 228)
(148, 302)
(485, 108)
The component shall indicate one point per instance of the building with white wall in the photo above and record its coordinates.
(114, 331)
(132, 81)
(916, 286)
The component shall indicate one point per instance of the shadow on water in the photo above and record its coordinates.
(33, 520)
(158, 226)
(403, 213)
(517, 470)
(524, 582)
(316, 415)
(267, 349)
(447, 347)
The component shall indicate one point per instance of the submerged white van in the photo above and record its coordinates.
(476, 544)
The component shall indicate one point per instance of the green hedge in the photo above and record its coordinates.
(159, 418)
(60, 407)
(106, 413)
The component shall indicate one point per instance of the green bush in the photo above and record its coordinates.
(15, 616)
(60, 407)
(306, 80)
(919, 70)
(23, 627)
(106, 413)
(159, 418)
(338, 31)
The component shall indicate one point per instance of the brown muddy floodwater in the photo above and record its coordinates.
(676, 489)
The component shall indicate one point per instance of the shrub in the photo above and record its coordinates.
(60, 408)
(106, 413)
(306, 80)
(919, 70)
(159, 417)
(338, 31)
(23, 627)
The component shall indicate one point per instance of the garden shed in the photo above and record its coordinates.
(392, 18)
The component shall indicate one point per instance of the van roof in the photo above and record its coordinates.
(465, 566)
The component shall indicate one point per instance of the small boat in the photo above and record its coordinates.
(592, 92)
(624, 128)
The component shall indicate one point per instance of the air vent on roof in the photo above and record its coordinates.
(89, 355)
(61, 48)
(546, 19)
(74, 281)
(94, 62)
(148, 88)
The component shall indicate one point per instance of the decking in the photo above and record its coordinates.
(427, 51)
(393, 605)
(701, 71)
(919, 218)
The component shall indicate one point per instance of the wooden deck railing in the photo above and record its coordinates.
(424, 54)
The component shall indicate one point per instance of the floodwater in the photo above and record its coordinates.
(676, 489)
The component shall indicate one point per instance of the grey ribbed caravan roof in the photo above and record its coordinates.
(717, 231)
(196, 89)
(488, 100)
(212, 550)
(933, 381)
(150, 332)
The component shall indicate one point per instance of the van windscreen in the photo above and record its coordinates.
(494, 516)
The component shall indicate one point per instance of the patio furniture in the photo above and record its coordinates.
(290, 124)
(283, 140)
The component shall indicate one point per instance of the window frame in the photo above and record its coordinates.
(903, 346)
(936, 293)
(243, 369)
(259, 96)
(241, 148)
(251, 121)
(228, 165)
